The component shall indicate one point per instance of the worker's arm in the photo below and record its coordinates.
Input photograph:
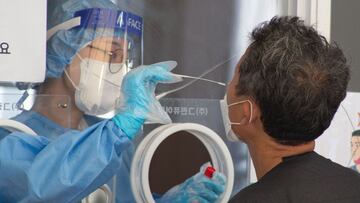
(32, 169)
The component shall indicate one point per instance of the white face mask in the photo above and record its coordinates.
(99, 85)
(224, 106)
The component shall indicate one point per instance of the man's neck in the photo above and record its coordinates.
(266, 153)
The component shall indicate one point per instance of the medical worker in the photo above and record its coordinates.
(87, 64)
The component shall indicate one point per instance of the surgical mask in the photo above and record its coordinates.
(224, 106)
(99, 85)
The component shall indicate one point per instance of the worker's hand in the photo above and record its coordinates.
(197, 189)
(137, 102)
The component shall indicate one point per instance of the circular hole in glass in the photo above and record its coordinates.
(177, 158)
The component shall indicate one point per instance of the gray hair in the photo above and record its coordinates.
(296, 77)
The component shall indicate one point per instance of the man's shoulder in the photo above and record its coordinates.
(258, 193)
(302, 179)
(342, 189)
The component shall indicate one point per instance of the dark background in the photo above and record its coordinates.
(198, 34)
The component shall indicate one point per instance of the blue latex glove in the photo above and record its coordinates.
(137, 101)
(197, 189)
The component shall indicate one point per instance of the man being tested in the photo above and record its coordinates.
(285, 91)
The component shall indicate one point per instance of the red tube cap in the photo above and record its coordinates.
(209, 172)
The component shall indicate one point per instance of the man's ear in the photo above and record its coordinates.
(250, 111)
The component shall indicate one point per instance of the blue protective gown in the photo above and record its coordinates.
(62, 165)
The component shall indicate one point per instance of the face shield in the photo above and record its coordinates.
(113, 48)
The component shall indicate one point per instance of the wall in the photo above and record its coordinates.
(345, 29)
